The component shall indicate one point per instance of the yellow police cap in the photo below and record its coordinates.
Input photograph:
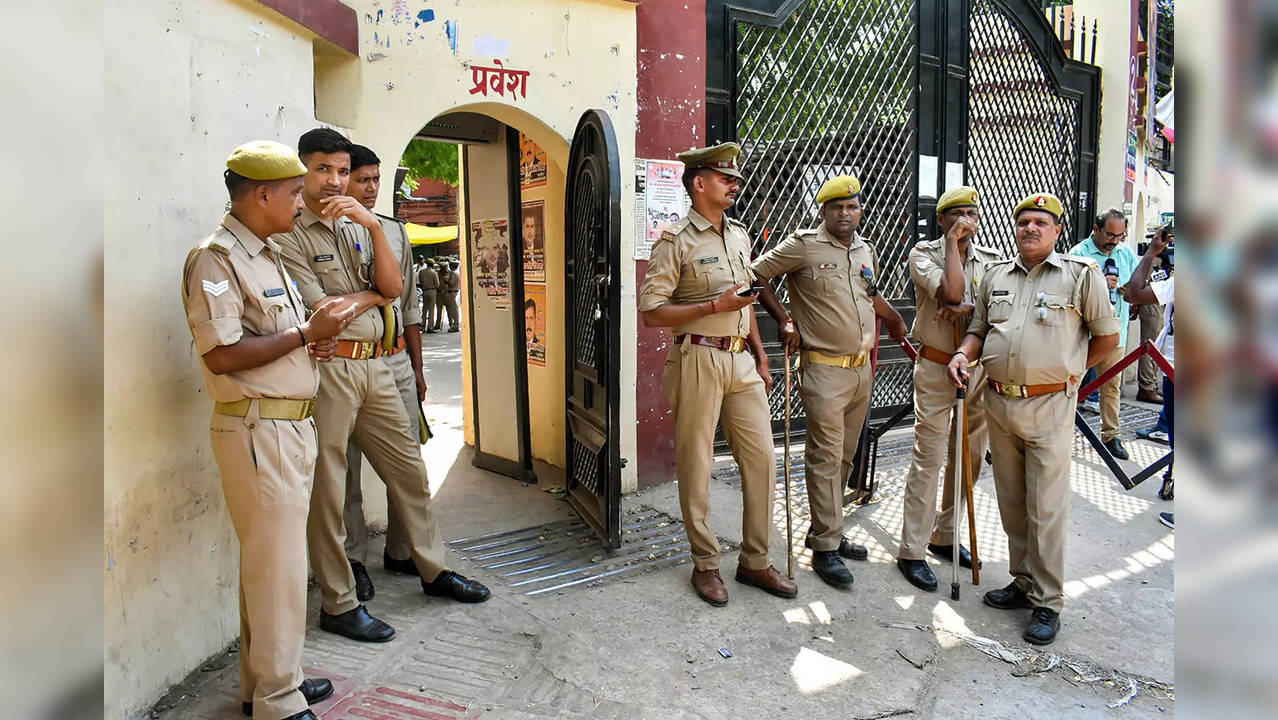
(265, 160)
(1040, 201)
(961, 196)
(838, 188)
(721, 157)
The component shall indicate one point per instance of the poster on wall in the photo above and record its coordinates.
(535, 323)
(534, 232)
(660, 185)
(491, 259)
(532, 163)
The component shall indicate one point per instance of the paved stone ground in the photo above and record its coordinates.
(626, 637)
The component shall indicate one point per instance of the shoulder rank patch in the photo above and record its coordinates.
(708, 260)
(667, 235)
(273, 292)
(219, 241)
(323, 258)
(216, 288)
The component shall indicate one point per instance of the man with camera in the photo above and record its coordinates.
(831, 276)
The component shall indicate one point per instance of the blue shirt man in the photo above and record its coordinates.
(1106, 243)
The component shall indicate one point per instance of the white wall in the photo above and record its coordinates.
(1113, 53)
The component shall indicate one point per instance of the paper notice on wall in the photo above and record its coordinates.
(927, 175)
(491, 260)
(953, 175)
(533, 230)
(532, 164)
(664, 202)
(535, 323)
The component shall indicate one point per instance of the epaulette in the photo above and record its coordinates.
(734, 221)
(672, 231)
(1003, 261)
(219, 241)
(388, 217)
(1090, 262)
(805, 233)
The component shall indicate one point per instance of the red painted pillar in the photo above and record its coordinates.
(672, 118)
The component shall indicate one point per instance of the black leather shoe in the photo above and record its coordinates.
(304, 715)
(450, 584)
(399, 567)
(847, 549)
(1008, 598)
(363, 583)
(830, 568)
(1044, 624)
(1116, 449)
(918, 573)
(357, 624)
(946, 553)
(313, 689)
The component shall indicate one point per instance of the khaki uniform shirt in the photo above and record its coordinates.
(1026, 345)
(693, 263)
(408, 305)
(453, 283)
(234, 285)
(428, 279)
(332, 259)
(927, 267)
(829, 299)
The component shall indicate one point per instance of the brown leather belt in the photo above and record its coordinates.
(936, 356)
(357, 350)
(1026, 391)
(730, 343)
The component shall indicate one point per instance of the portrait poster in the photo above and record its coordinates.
(664, 202)
(532, 163)
(491, 260)
(533, 229)
(535, 323)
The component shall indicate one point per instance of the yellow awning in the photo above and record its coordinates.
(426, 235)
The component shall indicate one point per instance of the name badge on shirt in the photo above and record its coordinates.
(323, 258)
(999, 293)
(827, 266)
(273, 292)
(708, 260)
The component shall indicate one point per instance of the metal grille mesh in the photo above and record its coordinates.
(586, 220)
(830, 92)
(1023, 135)
(585, 466)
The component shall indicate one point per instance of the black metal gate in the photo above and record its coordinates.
(592, 243)
(883, 89)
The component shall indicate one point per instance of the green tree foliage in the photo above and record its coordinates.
(431, 160)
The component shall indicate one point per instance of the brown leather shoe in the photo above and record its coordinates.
(709, 587)
(1149, 396)
(768, 580)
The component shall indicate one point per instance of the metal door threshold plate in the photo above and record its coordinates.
(567, 555)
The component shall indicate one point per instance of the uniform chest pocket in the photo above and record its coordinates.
(332, 276)
(710, 277)
(277, 310)
(1050, 309)
(830, 279)
(1000, 309)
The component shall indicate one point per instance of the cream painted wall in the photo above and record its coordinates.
(185, 82)
(1113, 53)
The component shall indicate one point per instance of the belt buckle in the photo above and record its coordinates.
(1014, 390)
(367, 350)
(847, 361)
(308, 406)
(736, 344)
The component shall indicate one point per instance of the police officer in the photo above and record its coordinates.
(697, 270)
(339, 249)
(428, 279)
(405, 360)
(256, 350)
(831, 274)
(1041, 319)
(450, 283)
(946, 274)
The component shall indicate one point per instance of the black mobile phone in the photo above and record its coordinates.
(748, 291)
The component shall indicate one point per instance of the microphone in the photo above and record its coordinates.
(1111, 269)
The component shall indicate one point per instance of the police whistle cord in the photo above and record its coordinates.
(789, 517)
(1127, 481)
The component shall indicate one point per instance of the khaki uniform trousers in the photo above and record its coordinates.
(1030, 439)
(1109, 395)
(708, 387)
(933, 436)
(266, 470)
(353, 511)
(359, 397)
(449, 301)
(835, 402)
(430, 308)
(1151, 324)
